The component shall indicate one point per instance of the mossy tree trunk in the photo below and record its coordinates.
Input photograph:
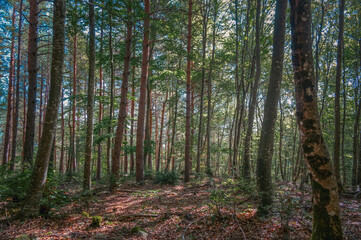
(326, 215)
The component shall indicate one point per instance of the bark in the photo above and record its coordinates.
(170, 155)
(132, 113)
(204, 9)
(32, 72)
(72, 150)
(158, 160)
(90, 103)
(123, 104)
(9, 111)
(142, 97)
(336, 147)
(187, 162)
(112, 80)
(99, 159)
(253, 100)
(61, 165)
(265, 150)
(38, 178)
(326, 214)
(209, 92)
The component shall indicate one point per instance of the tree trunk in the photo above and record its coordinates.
(61, 165)
(336, 147)
(173, 128)
(142, 97)
(32, 71)
(72, 150)
(17, 93)
(265, 150)
(204, 10)
(38, 178)
(9, 111)
(90, 103)
(253, 100)
(112, 81)
(157, 167)
(187, 160)
(209, 92)
(123, 104)
(326, 214)
(132, 114)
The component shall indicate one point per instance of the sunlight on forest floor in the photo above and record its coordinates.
(171, 212)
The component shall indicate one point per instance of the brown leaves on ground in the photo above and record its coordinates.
(179, 212)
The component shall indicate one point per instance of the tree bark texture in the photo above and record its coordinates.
(39, 174)
(326, 212)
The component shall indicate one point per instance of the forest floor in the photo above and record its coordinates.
(200, 210)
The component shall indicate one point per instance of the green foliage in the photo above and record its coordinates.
(96, 221)
(85, 214)
(166, 177)
(148, 174)
(14, 184)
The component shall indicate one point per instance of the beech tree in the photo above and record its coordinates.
(266, 144)
(326, 212)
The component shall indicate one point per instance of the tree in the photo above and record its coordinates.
(265, 150)
(336, 148)
(326, 213)
(9, 111)
(143, 91)
(123, 103)
(90, 103)
(32, 72)
(187, 159)
(39, 174)
(17, 93)
(253, 100)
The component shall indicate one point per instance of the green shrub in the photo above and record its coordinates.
(96, 221)
(166, 178)
(14, 184)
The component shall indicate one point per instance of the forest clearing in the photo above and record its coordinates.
(180, 119)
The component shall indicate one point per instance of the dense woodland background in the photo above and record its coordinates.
(169, 90)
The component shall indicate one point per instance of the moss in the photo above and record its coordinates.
(85, 214)
(96, 221)
(325, 226)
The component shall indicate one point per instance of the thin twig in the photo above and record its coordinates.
(185, 230)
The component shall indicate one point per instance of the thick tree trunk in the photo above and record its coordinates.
(9, 111)
(123, 104)
(265, 150)
(187, 159)
(90, 103)
(142, 97)
(38, 178)
(336, 147)
(326, 214)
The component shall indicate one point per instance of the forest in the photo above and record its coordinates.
(180, 119)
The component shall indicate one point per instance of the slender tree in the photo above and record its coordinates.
(123, 103)
(265, 150)
(39, 174)
(143, 91)
(326, 213)
(90, 103)
(187, 163)
(9, 111)
(336, 147)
